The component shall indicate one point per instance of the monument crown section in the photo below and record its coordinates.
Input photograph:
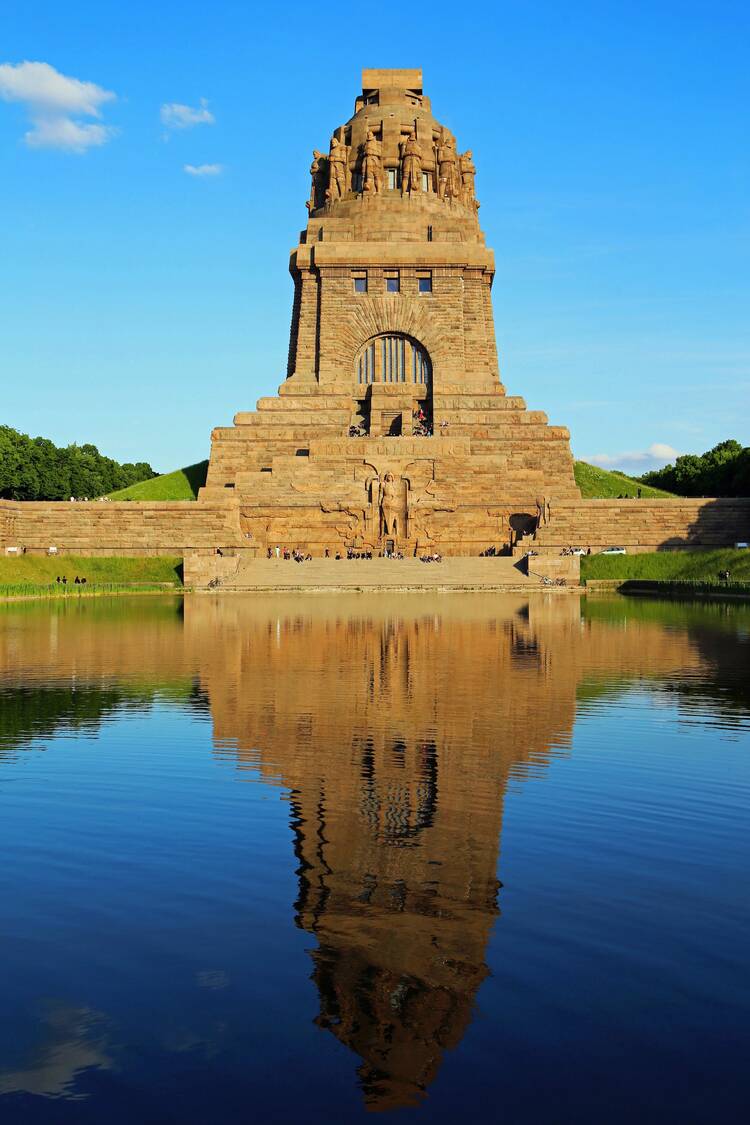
(392, 427)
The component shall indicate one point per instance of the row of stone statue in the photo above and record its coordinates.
(331, 175)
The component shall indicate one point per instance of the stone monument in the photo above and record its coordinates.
(392, 427)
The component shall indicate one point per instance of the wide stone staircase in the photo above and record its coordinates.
(500, 573)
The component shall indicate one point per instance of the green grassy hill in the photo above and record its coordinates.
(182, 484)
(601, 484)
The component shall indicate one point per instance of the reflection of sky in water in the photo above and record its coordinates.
(71, 1040)
(253, 852)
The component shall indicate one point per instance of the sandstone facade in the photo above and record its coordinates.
(393, 425)
(93, 528)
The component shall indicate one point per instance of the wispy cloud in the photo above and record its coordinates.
(657, 455)
(53, 102)
(177, 116)
(203, 169)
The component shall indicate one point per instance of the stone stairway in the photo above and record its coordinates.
(376, 574)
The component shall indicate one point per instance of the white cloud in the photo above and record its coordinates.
(177, 116)
(636, 460)
(203, 169)
(53, 101)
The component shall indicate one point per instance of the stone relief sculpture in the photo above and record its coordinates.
(393, 505)
(337, 170)
(372, 163)
(317, 187)
(448, 175)
(411, 165)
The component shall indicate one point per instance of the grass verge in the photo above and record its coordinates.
(42, 570)
(669, 566)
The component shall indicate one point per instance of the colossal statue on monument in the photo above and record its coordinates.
(411, 165)
(337, 165)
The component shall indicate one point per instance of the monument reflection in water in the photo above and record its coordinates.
(395, 726)
(396, 735)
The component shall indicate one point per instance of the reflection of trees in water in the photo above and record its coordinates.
(49, 710)
(726, 680)
(28, 713)
(719, 632)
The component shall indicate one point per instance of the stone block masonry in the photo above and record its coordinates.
(125, 528)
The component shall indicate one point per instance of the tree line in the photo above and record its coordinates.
(721, 471)
(37, 469)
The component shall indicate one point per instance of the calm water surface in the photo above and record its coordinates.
(296, 860)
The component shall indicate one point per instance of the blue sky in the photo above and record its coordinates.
(141, 305)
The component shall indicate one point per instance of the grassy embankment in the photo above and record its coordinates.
(603, 484)
(182, 484)
(680, 574)
(36, 576)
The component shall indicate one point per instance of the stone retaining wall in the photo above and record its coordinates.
(174, 528)
(118, 528)
(644, 525)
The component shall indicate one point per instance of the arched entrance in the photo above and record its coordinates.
(393, 386)
(393, 358)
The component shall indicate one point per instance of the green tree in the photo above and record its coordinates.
(37, 469)
(721, 471)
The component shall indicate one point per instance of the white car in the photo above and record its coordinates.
(613, 551)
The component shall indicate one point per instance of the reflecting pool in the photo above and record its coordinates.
(462, 858)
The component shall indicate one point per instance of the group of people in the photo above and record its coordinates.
(294, 555)
(76, 581)
(435, 557)
(575, 551)
(420, 426)
(85, 499)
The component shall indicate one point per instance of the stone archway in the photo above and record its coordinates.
(392, 384)
(393, 357)
(375, 317)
